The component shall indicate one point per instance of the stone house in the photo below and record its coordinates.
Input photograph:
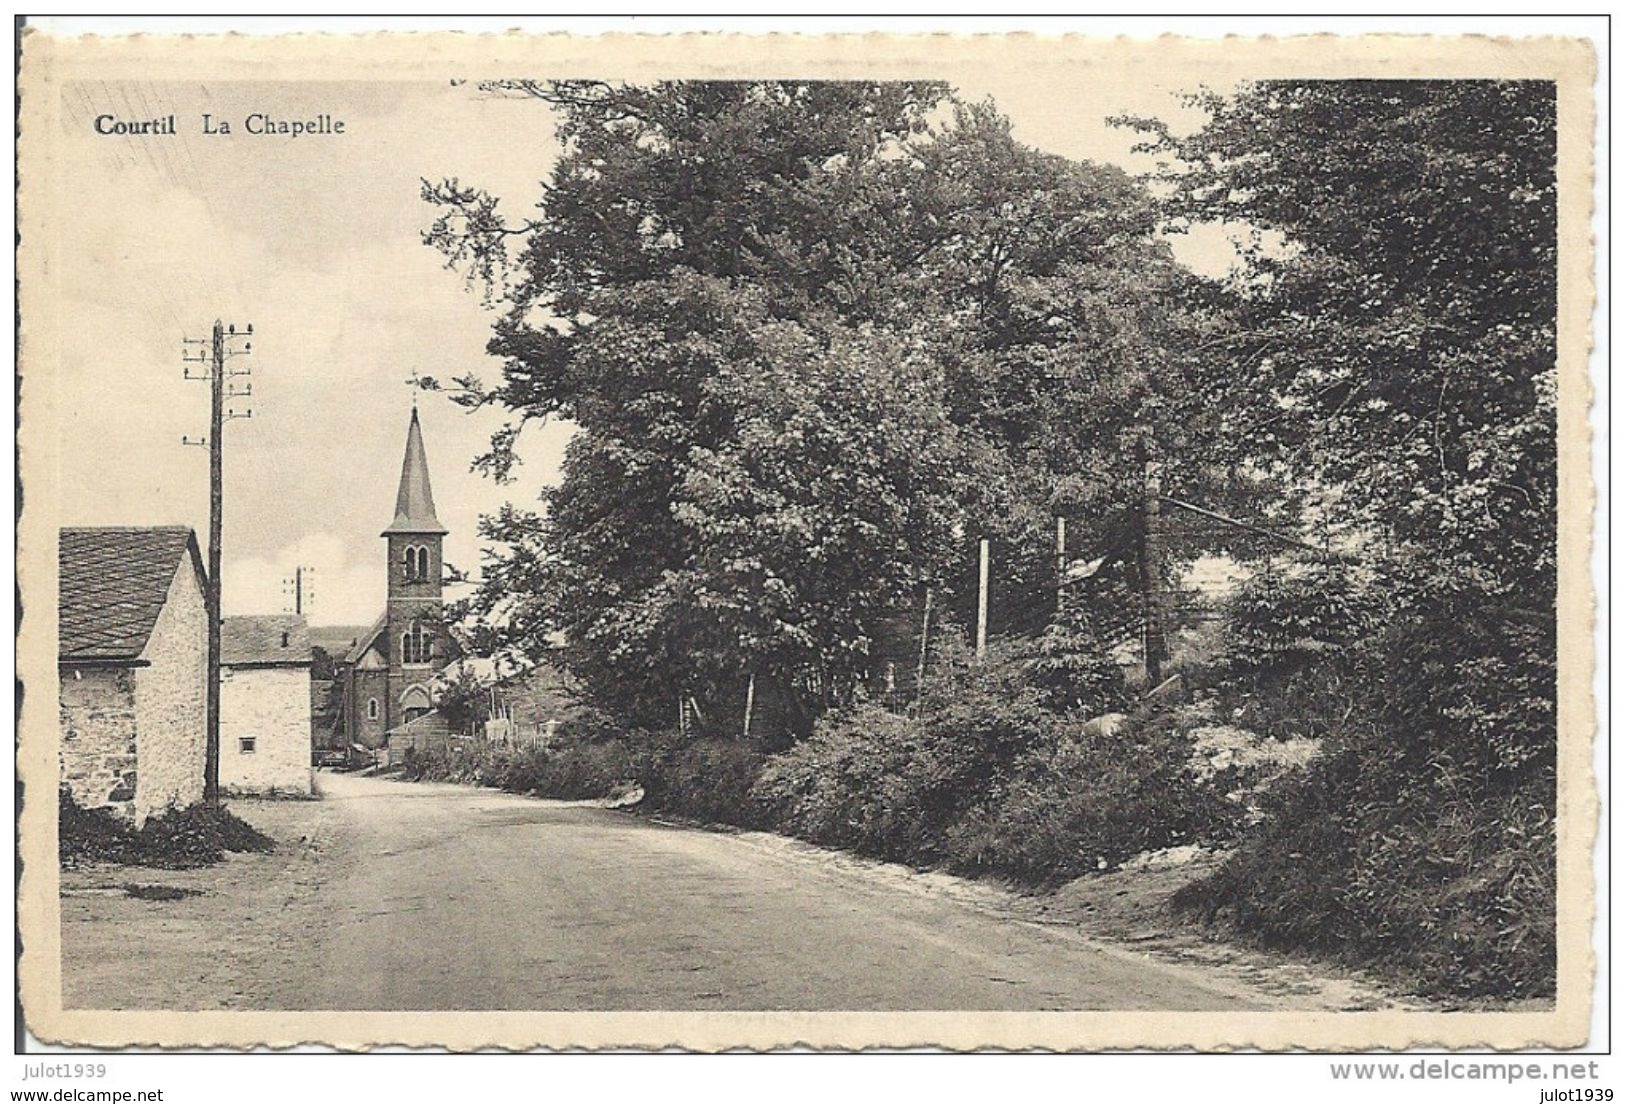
(265, 722)
(132, 660)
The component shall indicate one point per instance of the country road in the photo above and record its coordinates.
(390, 895)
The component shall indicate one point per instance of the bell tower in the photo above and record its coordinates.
(416, 634)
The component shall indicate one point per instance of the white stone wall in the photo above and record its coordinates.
(98, 747)
(271, 704)
(169, 701)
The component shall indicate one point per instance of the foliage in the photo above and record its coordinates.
(575, 771)
(708, 779)
(1394, 332)
(1395, 323)
(322, 667)
(1074, 669)
(176, 839)
(985, 779)
(1084, 802)
(462, 699)
(811, 346)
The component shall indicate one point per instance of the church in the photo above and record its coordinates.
(388, 674)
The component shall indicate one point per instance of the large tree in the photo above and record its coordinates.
(814, 346)
(1394, 345)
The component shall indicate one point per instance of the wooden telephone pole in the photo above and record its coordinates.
(220, 351)
(302, 588)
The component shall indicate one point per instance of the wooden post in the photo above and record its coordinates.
(1156, 646)
(211, 731)
(925, 638)
(750, 702)
(1060, 564)
(981, 604)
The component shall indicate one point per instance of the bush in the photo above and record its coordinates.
(1074, 671)
(572, 772)
(986, 779)
(892, 785)
(1425, 840)
(178, 839)
(1081, 804)
(706, 779)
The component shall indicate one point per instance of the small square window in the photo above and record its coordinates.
(245, 744)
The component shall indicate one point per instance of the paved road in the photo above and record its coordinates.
(396, 896)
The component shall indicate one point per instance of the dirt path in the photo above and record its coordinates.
(388, 895)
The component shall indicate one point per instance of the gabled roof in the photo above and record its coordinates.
(276, 640)
(414, 502)
(114, 582)
(364, 641)
(336, 640)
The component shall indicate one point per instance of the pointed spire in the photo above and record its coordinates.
(414, 503)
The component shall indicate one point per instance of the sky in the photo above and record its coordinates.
(315, 240)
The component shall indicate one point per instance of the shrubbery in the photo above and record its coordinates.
(704, 779)
(983, 778)
(1081, 803)
(178, 839)
(572, 772)
(1424, 838)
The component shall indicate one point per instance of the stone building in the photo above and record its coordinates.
(132, 656)
(389, 673)
(265, 718)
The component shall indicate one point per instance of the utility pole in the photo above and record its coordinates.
(302, 587)
(219, 351)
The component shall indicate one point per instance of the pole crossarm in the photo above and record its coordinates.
(1245, 525)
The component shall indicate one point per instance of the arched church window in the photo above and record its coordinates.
(414, 645)
(423, 563)
(409, 563)
(372, 709)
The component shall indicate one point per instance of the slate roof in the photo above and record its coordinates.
(364, 641)
(258, 641)
(336, 640)
(414, 502)
(113, 583)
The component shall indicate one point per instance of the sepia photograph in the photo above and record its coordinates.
(728, 542)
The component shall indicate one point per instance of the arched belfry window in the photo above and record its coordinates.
(415, 563)
(372, 709)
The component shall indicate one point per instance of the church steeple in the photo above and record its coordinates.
(414, 502)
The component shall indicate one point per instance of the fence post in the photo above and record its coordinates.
(750, 701)
(981, 604)
(1156, 647)
(925, 637)
(1060, 564)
